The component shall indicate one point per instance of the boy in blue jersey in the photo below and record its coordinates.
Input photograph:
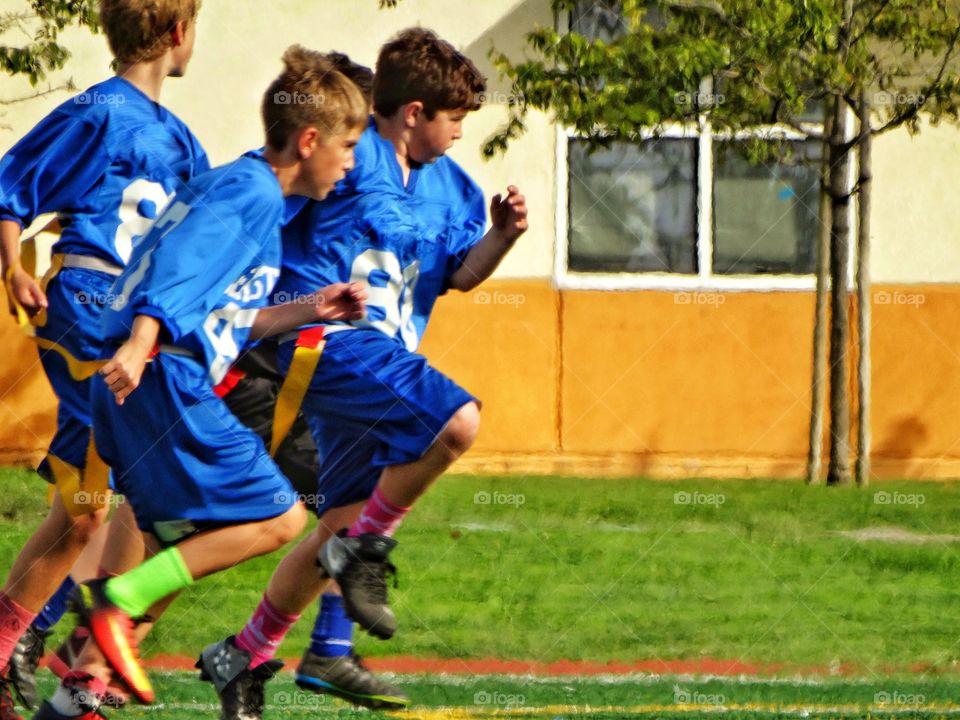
(107, 161)
(408, 223)
(250, 392)
(201, 484)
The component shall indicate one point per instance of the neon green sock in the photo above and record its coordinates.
(136, 591)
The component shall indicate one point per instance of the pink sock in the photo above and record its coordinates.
(379, 516)
(262, 634)
(14, 621)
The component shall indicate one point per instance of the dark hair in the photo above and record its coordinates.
(418, 65)
(360, 75)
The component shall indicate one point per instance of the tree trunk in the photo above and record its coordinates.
(818, 393)
(838, 472)
(863, 294)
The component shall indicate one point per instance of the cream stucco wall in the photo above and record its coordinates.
(239, 45)
(915, 217)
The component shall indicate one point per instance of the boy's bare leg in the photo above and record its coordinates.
(404, 484)
(124, 548)
(87, 564)
(49, 555)
(219, 549)
(296, 583)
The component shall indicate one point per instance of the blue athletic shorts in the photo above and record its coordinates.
(371, 404)
(181, 457)
(76, 297)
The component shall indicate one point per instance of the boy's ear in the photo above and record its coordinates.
(307, 140)
(411, 113)
(179, 33)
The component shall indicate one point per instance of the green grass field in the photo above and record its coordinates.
(545, 569)
(439, 698)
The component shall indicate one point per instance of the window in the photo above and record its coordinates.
(684, 209)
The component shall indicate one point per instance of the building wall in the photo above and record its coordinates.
(623, 383)
(587, 382)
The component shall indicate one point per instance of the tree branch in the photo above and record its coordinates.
(914, 110)
(866, 28)
(68, 85)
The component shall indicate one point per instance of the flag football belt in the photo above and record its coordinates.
(79, 369)
(83, 490)
(306, 357)
(87, 489)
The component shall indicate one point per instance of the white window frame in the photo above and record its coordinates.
(705, 279)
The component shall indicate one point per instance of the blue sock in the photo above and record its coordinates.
(55, 608)
(332, 634)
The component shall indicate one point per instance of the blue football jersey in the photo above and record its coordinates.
(403, 242)
(207, 266)
(108, 162)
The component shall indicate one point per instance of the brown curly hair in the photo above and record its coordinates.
(418, 65)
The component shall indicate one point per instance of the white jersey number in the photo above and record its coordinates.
(178, 211)
(221, 337)
(132, 223)
(393, 293)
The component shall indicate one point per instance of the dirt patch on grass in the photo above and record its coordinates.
(896, 535)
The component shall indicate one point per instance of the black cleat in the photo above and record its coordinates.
(347, 678)
(360, 566)
(8, 711)
(240, 688)
(23, 664)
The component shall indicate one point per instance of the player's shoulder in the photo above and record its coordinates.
(92, 107)
(115, 109)
(175, 124)
(110, 98)
(451, 176)
(375, 165)
(250, 181)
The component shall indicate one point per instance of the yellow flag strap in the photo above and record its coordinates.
(83, 490)
(79, 369)
(306, 357)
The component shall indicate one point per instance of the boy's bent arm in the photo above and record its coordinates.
(340, 301)
(122, 374)
(509, 217)
(20, 284)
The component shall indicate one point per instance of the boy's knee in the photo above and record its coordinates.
(462, 430)
(80, 529)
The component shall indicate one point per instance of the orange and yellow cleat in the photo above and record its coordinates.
(112, 630)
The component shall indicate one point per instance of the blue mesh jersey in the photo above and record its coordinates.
(403, 242)
(206, 268)
(108, 161)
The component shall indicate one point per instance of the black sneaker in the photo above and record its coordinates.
(23, 664)
(240, 688)
(360, 566)
(347, 678)
(8, 711)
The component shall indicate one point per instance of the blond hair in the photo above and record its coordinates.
(139, 30)
(310, 92)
